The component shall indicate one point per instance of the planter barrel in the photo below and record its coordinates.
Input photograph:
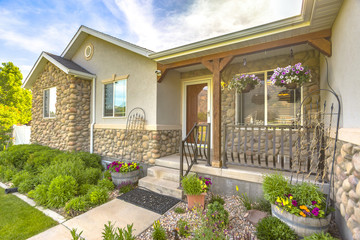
(128, 177)
(302, 226)
(196, 200)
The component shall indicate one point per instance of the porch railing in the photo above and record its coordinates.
(287, 148)
(194, 147)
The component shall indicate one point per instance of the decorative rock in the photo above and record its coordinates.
(347, 148)
(357, 214)
(353, 181)
(352, 223)
(152, 161)
(342, 209)
(358, 189)
(353, 195)
(346, 185)
(356, 161)
(344, 199)
(350, 207)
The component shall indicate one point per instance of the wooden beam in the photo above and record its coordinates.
(321, 44)
(216, 121)
(209, 65)
(225, 61)
(305, 38)
(163, 70)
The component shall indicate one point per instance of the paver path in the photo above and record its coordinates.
(120, 213)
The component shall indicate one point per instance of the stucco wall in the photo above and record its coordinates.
(343, 69)
(69, 130)
(169, 100)
(109, 59)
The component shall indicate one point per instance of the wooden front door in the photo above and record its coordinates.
(197, 104)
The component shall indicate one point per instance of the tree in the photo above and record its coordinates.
(12, 94)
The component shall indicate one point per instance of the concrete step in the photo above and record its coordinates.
(172, 161)
(164, 173)
(165, 187)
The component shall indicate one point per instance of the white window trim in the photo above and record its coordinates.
(49, 103)
(265, 72)
(106, 82)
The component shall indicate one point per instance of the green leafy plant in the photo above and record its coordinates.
(217, 215)
(77, 205)
(61, 190)
(74, 235)
(107, 174)
(194, 185)
(291, 74)
(126, 187)
(241, 82)
(179, 210)
(159, 232)
(106, 184)
(98, 195)
(320, 236)
(20, 177)
(275, 185)
(262, 205)
(184, 228)
(272, 228)
(207, 229)
(40, 159)
(305, 193)
(28, 184)
(39, 194)
(110, 233)
(217, 198)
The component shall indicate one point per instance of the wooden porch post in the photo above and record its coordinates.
(216, 66)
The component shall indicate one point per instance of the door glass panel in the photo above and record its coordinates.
(196, 105)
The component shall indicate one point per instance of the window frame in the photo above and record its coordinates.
(44, 90)
(265, 72)
(113, 107)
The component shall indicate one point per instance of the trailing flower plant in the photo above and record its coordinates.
(303, 199)
(291, 74)
(244, 82)
(122, 167)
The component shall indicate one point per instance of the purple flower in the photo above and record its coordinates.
(294, 203)
(315, 211)
(297, 72)
(117, 169)
(313, 202)
(137, 167)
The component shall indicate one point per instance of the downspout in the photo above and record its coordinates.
(93, 115)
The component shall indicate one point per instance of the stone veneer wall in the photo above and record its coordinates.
(69, 130)
(143, 146)
(347, 187)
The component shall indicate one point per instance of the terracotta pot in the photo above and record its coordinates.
(302, 226)
(196, 200)
(129, 177)
(291, 86)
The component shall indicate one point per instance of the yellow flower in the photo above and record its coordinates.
(237, 188)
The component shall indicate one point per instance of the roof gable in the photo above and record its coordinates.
(67, 66)
(84, 32)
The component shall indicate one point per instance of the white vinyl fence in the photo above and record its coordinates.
(21, 134)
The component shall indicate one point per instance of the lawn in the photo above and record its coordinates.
(18, 220)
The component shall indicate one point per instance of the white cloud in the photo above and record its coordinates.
(202, 19)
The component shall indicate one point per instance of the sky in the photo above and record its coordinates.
(28, 27)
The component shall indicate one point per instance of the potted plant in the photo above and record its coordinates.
(300, 206)
(122, 172)
(244, 83)
(195, 189)
(291, 76)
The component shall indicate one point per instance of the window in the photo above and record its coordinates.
(115, 99)
(49, 102)
(279, 107)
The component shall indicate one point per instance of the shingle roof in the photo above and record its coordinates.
(68, 63)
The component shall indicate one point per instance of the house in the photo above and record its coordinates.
(82, 98)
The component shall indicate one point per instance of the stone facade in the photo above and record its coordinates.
(347, 189)
(69, 130)
(143, 146)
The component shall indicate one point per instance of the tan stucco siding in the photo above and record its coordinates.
(109, 59)
(344, 70)
(169, 100)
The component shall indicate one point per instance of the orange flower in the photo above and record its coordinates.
(302, 214)
(302, 207)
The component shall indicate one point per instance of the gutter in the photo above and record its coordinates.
(93, 115)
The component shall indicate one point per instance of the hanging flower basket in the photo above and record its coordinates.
(291, 76)
(244, 83)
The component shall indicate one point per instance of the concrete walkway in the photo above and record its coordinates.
(92, 223)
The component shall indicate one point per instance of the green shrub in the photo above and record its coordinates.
(28, 184)
(320, 236)
(106, 184)
(217, 215)
(90, 159)
(192, 185)
(77, 205)
(98, 195)
(91, 175)
(61, 190)
(262, 205)
(217, 198)
(20, 177)
(84, 189)
(41, 159)
(39, 194)
(126, 187)
(107, 175)
(110, 233)
(179, 210)
(275, 185)
(8, 173)
(74, 235)
(305, 192)
(159, 232)
(272, 228)
(184, 229)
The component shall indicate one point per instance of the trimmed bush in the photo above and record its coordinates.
(84, 188)
(90, 159)
(272, 228)
(28, 184)
(61, 190)
(41, 159)
(98, 195)
(20, 177)
(39, 194)
(91, 175)
(106, 184)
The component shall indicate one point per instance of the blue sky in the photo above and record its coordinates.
(28, 27)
